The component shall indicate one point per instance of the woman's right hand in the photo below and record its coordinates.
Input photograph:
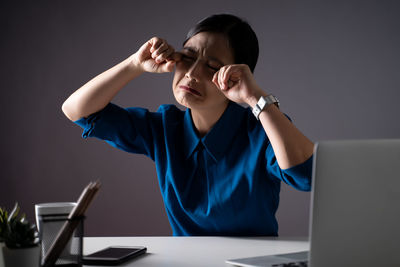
(156, 55)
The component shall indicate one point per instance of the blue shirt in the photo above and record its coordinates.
(225, 183)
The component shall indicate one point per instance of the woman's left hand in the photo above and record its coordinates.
(238, 83)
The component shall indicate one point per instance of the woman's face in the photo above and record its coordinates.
(202, 56)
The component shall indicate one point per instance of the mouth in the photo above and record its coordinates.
(189, 89)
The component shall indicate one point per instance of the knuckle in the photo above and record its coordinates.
(154, 39)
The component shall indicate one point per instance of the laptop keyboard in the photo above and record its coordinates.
(292, 264)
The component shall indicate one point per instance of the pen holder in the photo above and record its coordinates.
(72, 253)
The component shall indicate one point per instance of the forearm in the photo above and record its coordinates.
(98, 92)
(291, 147)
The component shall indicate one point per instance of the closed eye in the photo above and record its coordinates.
(188, 58)
(213, 68)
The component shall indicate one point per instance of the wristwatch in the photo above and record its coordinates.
(263, 103)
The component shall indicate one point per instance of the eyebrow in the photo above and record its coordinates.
(195, 51)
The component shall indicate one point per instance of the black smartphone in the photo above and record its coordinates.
(113, 255)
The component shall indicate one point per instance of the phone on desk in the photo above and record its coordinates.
(113, 255)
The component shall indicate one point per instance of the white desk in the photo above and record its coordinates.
(197, 251)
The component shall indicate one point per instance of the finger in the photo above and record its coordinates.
(166, 66)
(221, 81)
(225, 77)
(175, 56)
(145, 47)
(155, 43)
(164, 55)
(161, 49)
(219, 78)
(172, 60)
(158, 52)
(215, 79)
(170, 65)
(228, 75)
(232, 75)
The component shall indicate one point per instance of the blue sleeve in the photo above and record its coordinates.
(298, 176)
(130, 129)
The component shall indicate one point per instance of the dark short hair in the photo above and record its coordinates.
(242, 39)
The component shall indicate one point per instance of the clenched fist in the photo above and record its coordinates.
(156, 56)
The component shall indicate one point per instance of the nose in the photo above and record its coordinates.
(193, 73)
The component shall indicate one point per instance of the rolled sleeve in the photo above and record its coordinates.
(128, 129)
(88, 124)
(298, 176)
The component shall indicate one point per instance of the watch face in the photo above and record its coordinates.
(264, 102)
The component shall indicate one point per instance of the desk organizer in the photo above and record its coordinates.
(71, 255)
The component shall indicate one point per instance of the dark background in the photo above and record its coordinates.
(333, 64)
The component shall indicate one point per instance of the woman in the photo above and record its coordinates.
(219, 166)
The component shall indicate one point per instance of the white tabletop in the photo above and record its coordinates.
(197, 251)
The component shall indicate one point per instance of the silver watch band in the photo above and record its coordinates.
(264, 102)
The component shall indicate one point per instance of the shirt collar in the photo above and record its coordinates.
(219, 138)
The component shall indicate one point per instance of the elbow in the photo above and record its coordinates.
(69, 112)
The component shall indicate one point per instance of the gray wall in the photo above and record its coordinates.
(334, 65)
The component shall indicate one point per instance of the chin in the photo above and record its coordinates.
(187, 99)
(182, 100)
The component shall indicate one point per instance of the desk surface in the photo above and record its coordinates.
(197, 251)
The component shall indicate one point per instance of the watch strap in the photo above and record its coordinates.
(263, 103)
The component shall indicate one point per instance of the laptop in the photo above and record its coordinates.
(355, 208)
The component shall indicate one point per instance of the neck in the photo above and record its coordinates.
(205, 119)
